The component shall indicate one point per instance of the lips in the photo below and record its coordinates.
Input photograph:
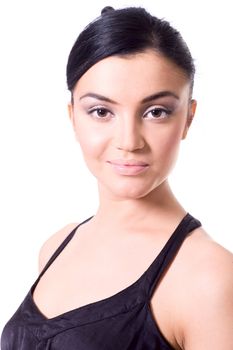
(128, 167)
(128, 162)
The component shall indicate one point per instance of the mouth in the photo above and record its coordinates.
(128, 167)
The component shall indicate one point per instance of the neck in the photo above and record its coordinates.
(159, 205)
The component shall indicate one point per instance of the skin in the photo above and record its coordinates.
(138, 212)
(129, 130)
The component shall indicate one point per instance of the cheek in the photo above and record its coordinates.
(167, 144)
(92, 142)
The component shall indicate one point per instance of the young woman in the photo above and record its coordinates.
(141, 273)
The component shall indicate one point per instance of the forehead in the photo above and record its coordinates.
(133, 76)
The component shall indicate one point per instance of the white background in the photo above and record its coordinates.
(43, 181)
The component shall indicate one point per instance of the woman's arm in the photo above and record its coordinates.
(207, 314)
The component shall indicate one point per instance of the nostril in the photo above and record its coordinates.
(128, 134)
(130, 144)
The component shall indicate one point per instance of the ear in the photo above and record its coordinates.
(70, 107)
(71, 112)
(190, 116)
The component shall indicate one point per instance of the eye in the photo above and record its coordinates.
(157, 113)
(100, 113)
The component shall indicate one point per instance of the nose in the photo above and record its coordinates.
(128, 135)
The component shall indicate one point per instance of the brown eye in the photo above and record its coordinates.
(100, 113)
(157, 113)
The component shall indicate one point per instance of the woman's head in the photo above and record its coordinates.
(131, 104)
(123, 32)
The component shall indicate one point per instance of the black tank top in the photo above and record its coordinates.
(123, 321)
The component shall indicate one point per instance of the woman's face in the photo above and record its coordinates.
(129, 115)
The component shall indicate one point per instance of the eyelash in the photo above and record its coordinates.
(105, 110)
(165, 111)
(96, 109)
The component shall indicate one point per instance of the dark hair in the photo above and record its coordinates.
(123, 32)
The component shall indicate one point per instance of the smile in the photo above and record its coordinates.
(128, 167)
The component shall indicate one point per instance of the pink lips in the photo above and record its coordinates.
(128, 167)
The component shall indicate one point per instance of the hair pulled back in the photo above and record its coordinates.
(126, 31)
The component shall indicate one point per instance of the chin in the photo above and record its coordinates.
(130, 191)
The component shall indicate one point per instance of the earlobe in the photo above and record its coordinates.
(191, 113)
(72, 118)
(70, 112)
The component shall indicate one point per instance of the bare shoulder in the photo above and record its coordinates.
(52, 243)
(206, 300)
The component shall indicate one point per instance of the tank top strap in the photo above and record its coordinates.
(61, 247)
(167, 254)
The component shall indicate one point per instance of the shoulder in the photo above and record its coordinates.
(206, 299)
(52, 243)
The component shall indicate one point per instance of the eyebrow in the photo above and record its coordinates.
(145, 100)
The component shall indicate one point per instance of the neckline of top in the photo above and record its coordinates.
(102, 302)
